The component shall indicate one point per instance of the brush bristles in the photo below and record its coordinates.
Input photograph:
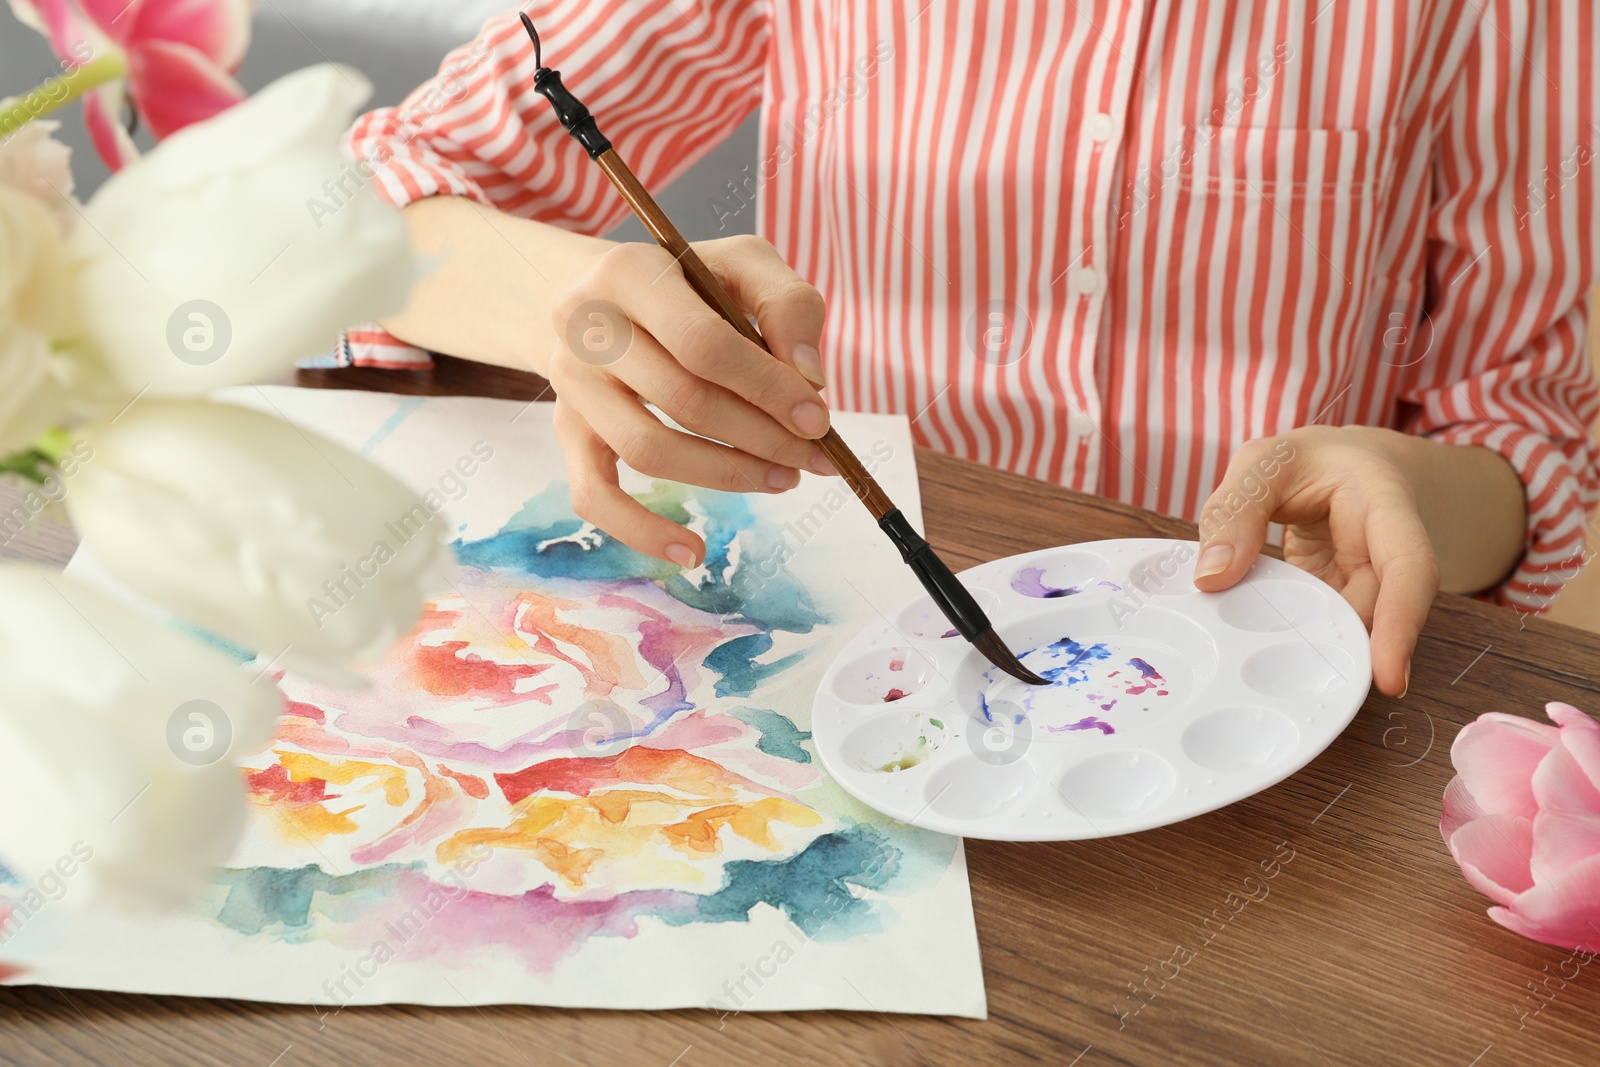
(996, 652)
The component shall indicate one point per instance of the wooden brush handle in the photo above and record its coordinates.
(705, 283)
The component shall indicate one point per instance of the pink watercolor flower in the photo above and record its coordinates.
(1522, 818)
(178, 55)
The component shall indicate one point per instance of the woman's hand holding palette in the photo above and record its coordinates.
(1164, 702)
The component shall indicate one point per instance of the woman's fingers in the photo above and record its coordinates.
(653, 293)
(710, 410)
(597, 497)
(1233, 522)
(642, 441)
(1408, 580)
(788, 310)
(636, 332)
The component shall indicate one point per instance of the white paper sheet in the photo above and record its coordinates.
(584, 780)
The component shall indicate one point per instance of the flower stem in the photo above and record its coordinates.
(52, 445)
(29, 464)
(61, 90)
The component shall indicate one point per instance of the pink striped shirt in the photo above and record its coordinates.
(1104, 243)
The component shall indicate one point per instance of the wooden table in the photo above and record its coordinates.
(1365, 947)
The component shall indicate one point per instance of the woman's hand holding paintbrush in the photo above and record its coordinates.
(636, 333)
(620, 329)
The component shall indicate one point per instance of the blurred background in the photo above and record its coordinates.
(398, 44)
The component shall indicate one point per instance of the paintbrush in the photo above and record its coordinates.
(953, 599)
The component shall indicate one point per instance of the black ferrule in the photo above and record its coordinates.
(570, 111)
(944, 587)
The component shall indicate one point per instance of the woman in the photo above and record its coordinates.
(1243, 262)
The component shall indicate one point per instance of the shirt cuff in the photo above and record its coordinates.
(370, 345)
(402, 168)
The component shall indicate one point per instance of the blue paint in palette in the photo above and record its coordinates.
(1068, 664)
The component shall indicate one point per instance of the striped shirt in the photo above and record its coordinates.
(1103, 243)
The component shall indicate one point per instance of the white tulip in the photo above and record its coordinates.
(277, 539)
(46, 377)
(207, 263)
(118, 746)
(32, 160)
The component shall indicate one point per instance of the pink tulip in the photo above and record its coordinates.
(1522, 818)
(178, 56)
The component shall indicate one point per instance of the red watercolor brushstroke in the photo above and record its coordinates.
(442, 671)
(274, 784)
(8, 971)
(305, 711)
(470, 784)
(894, 694)
(581, 776)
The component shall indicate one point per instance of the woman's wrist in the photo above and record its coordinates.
(1471, 501)
(494, 284)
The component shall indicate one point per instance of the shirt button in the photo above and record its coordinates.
(1083, 280)
(1081, 425)
(1100, 127)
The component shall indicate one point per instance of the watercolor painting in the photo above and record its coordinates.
(585, 775)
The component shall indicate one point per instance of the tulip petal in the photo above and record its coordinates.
(1564, 911)
(174, 85)
(1496, 756)
(89, 691)
(1559, 784)
(27, 12)
(1580, 735)
(1460, 807)
(102, 110)
(117, 19)
(53, 18)
(1493, 853)
(217, 29)
(1562, 840)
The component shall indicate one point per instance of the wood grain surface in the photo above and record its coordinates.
(1321, 922)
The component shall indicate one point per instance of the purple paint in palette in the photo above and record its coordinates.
(1029, 581)
(1089, 723)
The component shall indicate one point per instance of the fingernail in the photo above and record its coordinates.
(810, 419)
(1214, 560)
(782, 477)
(821, 464)
(1405, 688)
(682, 555)
(808, 361)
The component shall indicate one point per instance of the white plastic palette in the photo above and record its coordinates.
(1165, 702)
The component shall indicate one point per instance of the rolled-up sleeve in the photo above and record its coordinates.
(667, 80)
(1512, 240)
